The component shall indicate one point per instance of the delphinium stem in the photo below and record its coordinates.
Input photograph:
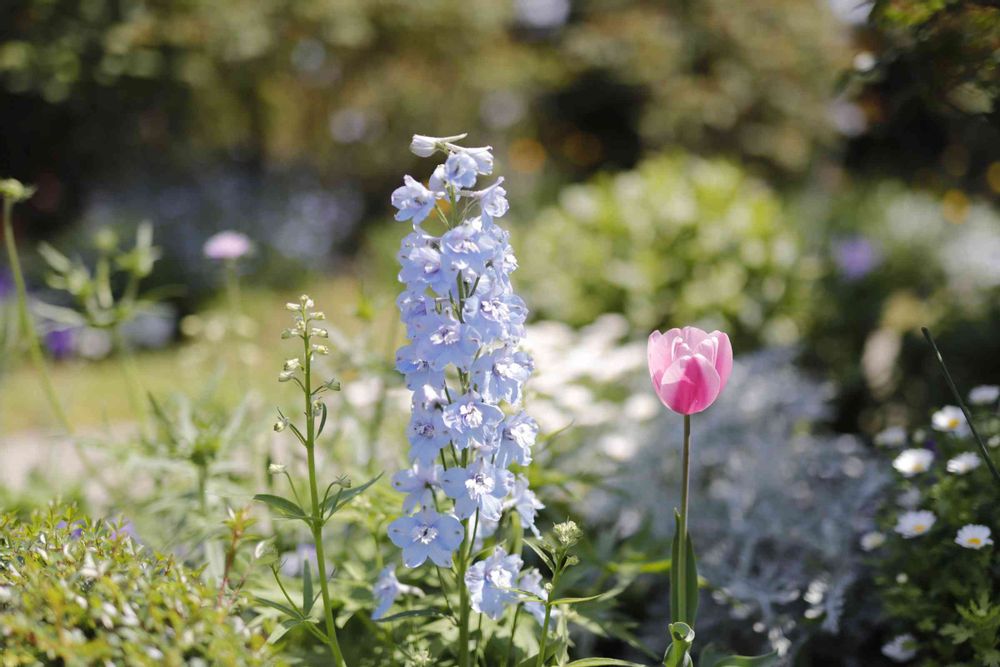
(25, 323)
(317, 511)
(548, 618)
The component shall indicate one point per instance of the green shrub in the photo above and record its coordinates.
(678, 240)
(79, 592)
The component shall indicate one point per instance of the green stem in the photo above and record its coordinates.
(548, 618)
(961, 404)
(317, 516)
(513, 631)
(682, 537)
(463, 621)
(25, 323)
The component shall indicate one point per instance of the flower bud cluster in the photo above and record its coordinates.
(468, 433)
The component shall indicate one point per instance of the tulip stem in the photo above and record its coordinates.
(682, 536)
(961, 404)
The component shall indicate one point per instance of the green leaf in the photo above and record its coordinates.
(307, 589)
(411, 614)
(541, 554)
(282, 506)
(603, 662)
(712, 657)
(333, 505)
(689, 587)
(589, 598)
(284, 609)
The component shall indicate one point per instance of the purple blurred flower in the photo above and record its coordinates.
(227, 245)
(856, 257)
(60, 343)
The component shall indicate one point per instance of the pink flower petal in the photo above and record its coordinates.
(723, 358)
(689, 385)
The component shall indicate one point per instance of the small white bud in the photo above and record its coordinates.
(306, 301)
(285, 376)
(293, 364)
(318, 315)
(293, 306)
(319, 333)
(276, 468)
(321, 349)
(280, 425)
(286, 334)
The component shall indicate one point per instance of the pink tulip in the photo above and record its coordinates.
(689, 367)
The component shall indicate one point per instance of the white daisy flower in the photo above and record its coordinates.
(894, 436)
(872, 540)
(909, 499)
(912, 524)
(913, 461)
(984, 394)
(964, 463)
(950, 420)
(901, 649)
(973, 536)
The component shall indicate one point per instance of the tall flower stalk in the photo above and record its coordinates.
(13, 192)
(319, 510)
(469, 436)
(689, 369)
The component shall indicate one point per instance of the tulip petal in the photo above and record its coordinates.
(658, 354)
(723, 358)
(689, 385)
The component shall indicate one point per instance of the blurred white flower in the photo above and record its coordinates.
(949, 419)
(964, 463)
(901, 649)
(984, 394)
(913, 461)
(894, 436)
(909, 499)
(912, 524)
(872, 540)
(973, 536)
(227, 245)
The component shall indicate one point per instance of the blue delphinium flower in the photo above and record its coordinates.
(387, 588)
(427, 534)
(482, 486)
(491, 583)
(414, 201)
(531, 582)
(468, 435)
(460, 170)
(471, 421)
(418, 483)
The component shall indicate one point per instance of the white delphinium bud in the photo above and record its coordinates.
(319, 333)
(423, 146)
(319, 315)
(320, 349)
(276, 468)
(306, 301)
(294, 307)
(280, 425)
(285, 376)
(293, 364)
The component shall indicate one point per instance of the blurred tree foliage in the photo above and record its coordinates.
(337, 84)
(929, 88)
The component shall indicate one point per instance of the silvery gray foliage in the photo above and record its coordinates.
(776, 504)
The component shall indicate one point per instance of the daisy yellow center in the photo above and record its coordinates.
(953, 422)
(975, 541)
(919, 528)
